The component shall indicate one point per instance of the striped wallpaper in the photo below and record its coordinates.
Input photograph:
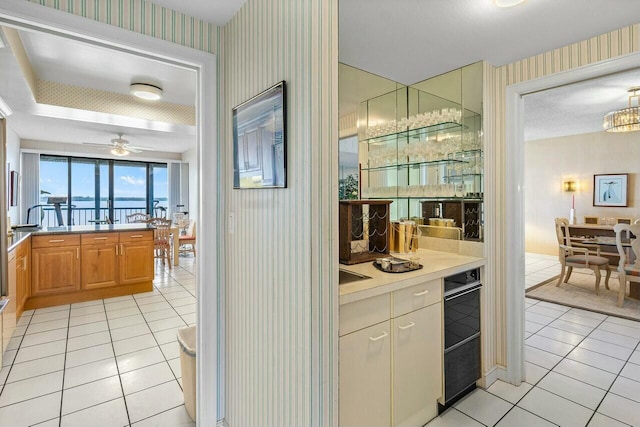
(143, 17)
(281, 260)
(606, 46)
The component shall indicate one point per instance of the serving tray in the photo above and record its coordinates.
(397, 268)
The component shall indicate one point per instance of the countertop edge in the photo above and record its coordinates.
(21, 236)
(375, 290)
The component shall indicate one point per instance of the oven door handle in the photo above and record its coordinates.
(458, 292)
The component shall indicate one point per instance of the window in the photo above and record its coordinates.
(99, 189)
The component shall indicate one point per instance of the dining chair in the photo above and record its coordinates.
(629, 265)
(162, 238)
(137, 217)
(573, 255)
(189, 238)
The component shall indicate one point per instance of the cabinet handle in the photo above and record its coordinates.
(410, 325)
(56, 241)
(117, 250)
(384, 334)
(136, 236)
(100, 238)
(419, 294)
(24, 264)
(78, 253)
(121, 250)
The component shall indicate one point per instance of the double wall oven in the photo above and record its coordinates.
(462, 366)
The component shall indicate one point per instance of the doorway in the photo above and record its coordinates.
(36, 17)
(514, 197)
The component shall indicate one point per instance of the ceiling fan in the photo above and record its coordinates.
(119, 146)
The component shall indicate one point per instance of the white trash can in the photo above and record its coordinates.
(187, 341)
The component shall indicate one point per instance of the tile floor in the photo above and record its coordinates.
(583, 369)
(104, 363)
(539, 268)
(116, 361)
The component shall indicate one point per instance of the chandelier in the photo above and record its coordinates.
(626, 119)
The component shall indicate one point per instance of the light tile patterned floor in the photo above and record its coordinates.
(103, 363)
(583, 369)
(539, 268)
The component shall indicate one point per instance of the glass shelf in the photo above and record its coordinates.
(428, 199)
(423, 140)
(411, 164)
(413, 133)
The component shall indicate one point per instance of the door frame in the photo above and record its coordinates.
(24, 14)
(514, 215)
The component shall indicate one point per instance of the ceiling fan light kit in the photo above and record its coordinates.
(146, 91)
(625, 119)
(119, 151)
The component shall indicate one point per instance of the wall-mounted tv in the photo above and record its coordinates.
(259, 140)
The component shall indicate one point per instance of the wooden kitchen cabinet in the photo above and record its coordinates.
(55, 270)
(100, 264)
(83, 266)
(365, 377)
(9, 318)
(136, 257)
(23, 275)
(417, 366)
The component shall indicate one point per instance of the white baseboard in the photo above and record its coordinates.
(495, 373)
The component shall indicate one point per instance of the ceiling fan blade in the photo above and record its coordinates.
(135, 147)
(133, 150)
(95, 144)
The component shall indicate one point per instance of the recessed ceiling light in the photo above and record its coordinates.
(507, 3)
(146, 91)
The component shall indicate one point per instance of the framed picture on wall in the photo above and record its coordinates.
(13, 188)
(610, 190)
(259, 140)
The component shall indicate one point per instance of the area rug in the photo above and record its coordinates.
(580, 293)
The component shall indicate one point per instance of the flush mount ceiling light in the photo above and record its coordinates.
(146, 91)
(507, 3)
(626, 119)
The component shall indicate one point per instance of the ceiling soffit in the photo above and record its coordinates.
(64, 95)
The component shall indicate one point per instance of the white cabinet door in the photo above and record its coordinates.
(417, 366)
(365, 377)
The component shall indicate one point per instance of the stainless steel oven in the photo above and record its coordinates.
(461, 334)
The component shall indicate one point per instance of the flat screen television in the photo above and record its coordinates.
(259, 140)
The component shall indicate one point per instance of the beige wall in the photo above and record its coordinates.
(552, 161)
(13, 157)
(281, 260)
(610, 45)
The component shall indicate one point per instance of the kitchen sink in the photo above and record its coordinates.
(345, 276)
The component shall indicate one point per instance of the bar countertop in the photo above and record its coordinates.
(435, 265)
(20, 235)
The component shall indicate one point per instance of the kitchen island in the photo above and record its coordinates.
(391, 341)
(63, 265)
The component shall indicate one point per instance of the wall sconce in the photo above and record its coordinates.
(570, 186)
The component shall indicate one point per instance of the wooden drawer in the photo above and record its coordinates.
(135, 236)
(361, 314)
(416, 297)
(54, 240)
(99, 238)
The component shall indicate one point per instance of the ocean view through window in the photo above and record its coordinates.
(99, 190)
